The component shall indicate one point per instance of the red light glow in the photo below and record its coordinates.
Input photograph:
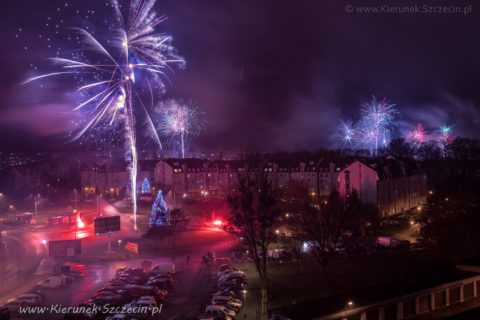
(80, 223)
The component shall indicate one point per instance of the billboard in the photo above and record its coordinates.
(132, 247)
(106, 224)
(64, 248)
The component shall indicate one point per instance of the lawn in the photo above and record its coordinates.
(287, 286)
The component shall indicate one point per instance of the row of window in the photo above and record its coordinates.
(426, 303)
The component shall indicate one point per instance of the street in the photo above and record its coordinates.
(188, 298)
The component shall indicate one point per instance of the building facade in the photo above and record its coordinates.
(197, 178)
(391, 186)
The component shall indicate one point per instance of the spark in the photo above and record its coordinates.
(109, 89)
(373, 130)
(180, 119)
(347, 132)
(444, 137)
(417, 136)
(376, 123)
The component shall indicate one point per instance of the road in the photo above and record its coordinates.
(188, 300)
(20, 260)
(409, 233)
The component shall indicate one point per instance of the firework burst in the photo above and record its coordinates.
(180, 119)
(347, 132)
(417, 135)
(375, 124)
(444, 137)
(136, 58)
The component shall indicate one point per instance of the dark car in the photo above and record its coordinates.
(4, 314)
(404, 244)
(231, 286)
(161, 283)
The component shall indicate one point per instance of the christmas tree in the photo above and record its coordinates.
(146, 186)
(160, 215)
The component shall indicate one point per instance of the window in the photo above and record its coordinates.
(409, 307)
(373, 314)
(468, 291)
(440, 299)
(424, 303)
(391, 312)
(454, 295)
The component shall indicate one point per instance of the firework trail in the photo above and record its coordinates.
(180, 119)
(417, 136)
(376, 123)
(108, 85)
(444, 138)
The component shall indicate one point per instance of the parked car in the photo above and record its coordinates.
(147, 302)
(30, 298)
(239, 256)
(232, 286)
(227, 293)
(137, 291)
(234, 274)
(52, 282)
(41, 293)
(222, 296)
(227, 304)
(14, 305)
(226, 271)
(219, 312)
(4, 313)
(222, 268)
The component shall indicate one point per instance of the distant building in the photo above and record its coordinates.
(200, 177)
(112, 180)
(391, 186)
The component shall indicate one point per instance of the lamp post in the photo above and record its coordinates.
(348, 305)
(35, 202)
(97, 203)
(76, 199)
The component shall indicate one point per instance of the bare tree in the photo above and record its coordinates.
(322, 229)
(296, 202)
(255, 211)
(178, 222)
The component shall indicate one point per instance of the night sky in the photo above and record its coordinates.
(276, 74)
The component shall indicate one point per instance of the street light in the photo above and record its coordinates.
(348, 305)
(35, 202)
(76, 199)
(244, 302)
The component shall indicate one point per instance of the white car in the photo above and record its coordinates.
(30, 298)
